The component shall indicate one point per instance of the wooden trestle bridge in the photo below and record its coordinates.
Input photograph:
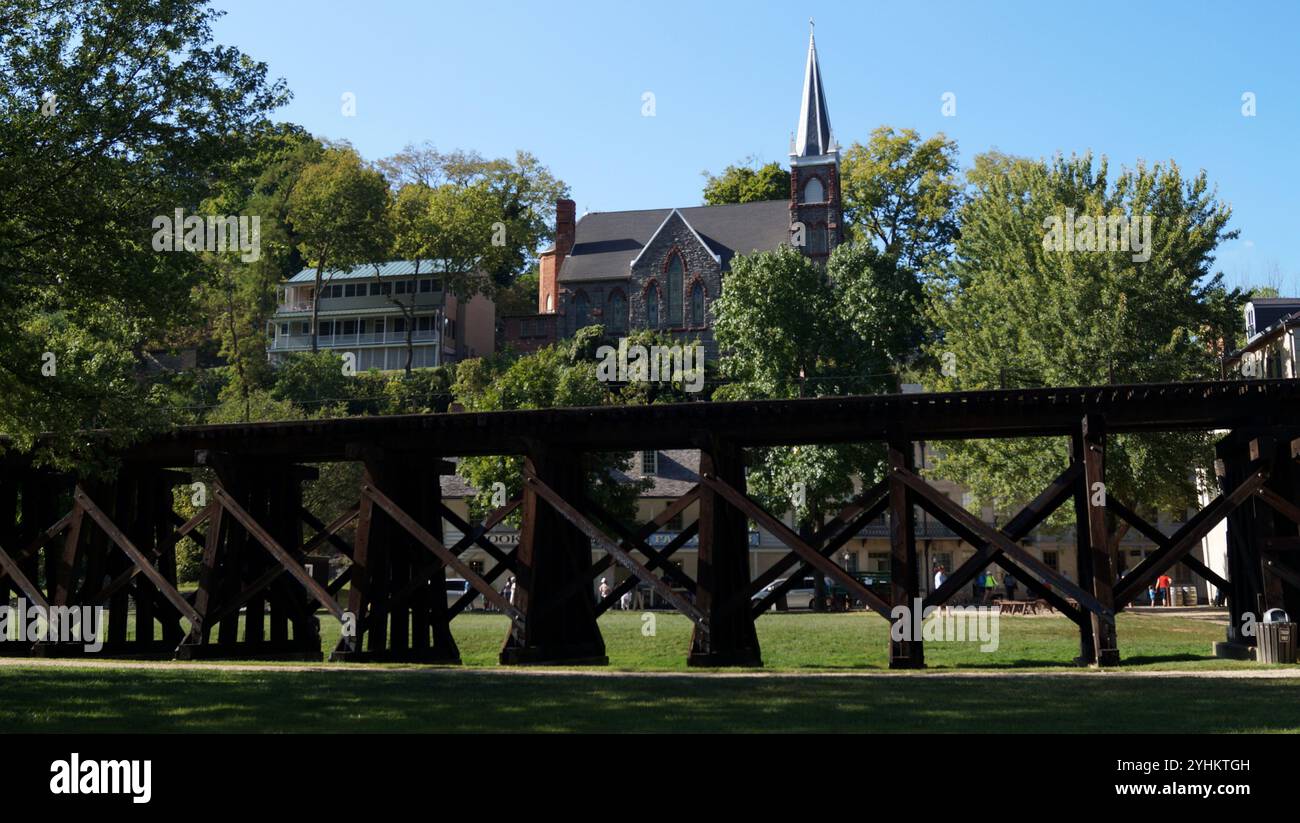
(66, 541)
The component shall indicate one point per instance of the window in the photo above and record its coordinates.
(424, 323)
(379, 325)
(649, 462)
(652, 306)
(350, 290)
(676, 272)
(581, 310)
(616, 311)
(284, 329)
(349, 327)
(813, 192)
(817, 242)
(306, 328)
(375, 290)
(877, 561)
(426, 286)
(1050, 560)
(326, 328)
(550, 303)
(399, 324)
(697, 304)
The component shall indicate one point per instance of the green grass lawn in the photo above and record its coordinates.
(379, 698)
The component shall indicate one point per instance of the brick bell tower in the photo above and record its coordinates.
(815, 167)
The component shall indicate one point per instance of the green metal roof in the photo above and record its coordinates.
(394, 268)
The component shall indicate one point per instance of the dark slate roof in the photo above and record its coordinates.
(605, 243)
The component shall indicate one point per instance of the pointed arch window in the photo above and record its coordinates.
(676, 274)
(814, 192)
(616, 311)
(652, 306)
(581, 310)
(697, 304)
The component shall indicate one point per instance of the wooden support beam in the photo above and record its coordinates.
(435, 546)
(847, 531)
(976, 531)
(904, 579)
(784, 534)
(316, 590)
(604, 541)
(115, 534)
(553, 554)
(1016, 529)
(662, 558)
(728, 637)
(1161, 540)
(1189, 535)
(1102, 550)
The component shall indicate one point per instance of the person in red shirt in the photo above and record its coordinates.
(1163, 584)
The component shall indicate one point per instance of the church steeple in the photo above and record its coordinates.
(815, 168)
(814, 136)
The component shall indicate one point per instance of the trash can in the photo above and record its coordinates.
(1277, 638)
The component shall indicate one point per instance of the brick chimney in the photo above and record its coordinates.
(548, 295)
(565, 227)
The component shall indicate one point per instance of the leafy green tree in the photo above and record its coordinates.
(746, 183)
(902, 192)
(1017, 312)
(112, 114)
(555, 376)
(788, 328)
(524, 192)
(337, 206)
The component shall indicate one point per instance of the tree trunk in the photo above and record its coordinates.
(315, 302)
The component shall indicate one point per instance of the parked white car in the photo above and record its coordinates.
(799, 596)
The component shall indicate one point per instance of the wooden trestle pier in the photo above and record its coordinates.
(66, 541)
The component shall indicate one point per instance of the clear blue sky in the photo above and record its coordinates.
(564, 80)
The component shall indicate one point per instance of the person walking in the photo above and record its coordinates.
(604, 587)
(1009, 580)
(940, 576)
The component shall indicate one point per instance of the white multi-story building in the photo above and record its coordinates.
(369, 310)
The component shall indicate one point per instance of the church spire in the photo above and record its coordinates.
(814, 136)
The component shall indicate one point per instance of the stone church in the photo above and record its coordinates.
(663, 268)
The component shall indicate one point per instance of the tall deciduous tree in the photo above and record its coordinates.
(337, 206)
(524, 192)
(791, 328)
(1019, 309)
(902, 192)
(747, 182)
(112, 114)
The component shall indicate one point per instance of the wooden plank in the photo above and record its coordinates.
(20, 580)
(137, 557)
(1280, 504)
(663, 558)
(624, 559)
(329, 532)
(435, 545)
(68, 557)
(1103, 549)
(468, 539)
(783, 533)
(277, 551)
(846, 533)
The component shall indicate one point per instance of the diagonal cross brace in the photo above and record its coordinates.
(810, 555)
(977, 531)
(620, 556)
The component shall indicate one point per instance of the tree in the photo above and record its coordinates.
(523, 189)
(747, 182)
(902, 192)
(336, 207)
(1016, 310)
(111, 115)
(558, 375)
(789, 328)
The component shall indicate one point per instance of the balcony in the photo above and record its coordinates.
(302, 342)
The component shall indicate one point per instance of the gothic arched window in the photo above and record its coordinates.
(676, 274)
(813, 192)
(697, 304)
(616, 312)
(581, 310)
(652, 306)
